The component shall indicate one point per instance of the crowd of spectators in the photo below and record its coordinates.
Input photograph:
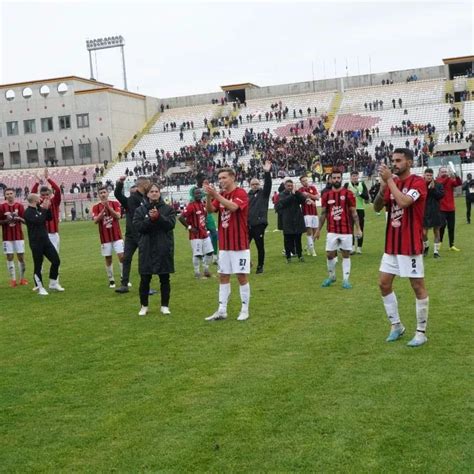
(407, 127)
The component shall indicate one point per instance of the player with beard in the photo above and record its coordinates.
(106, 215)
(433, 218)
(338, 206)
(404, 195)
(11, 218)
(234, 253)
(194, 218)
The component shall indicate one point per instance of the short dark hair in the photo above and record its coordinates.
(353, 173)
(44, 189)
(404, 151)
(8, 189)
(226, 170)
(428, 170)
(101, 188)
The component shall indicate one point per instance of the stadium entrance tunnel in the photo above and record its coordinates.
(237, 91)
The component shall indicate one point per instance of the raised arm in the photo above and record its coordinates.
(118, 192)
(267, 178)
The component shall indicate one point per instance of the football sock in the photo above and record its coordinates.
(207, 260)
(422, 314)
(110, 272)
(196, 264)
(21, 269)
(224, 293)
(331, 267)
(245, 297)
(309, 239)
(391, 308)
(426, 243)
(346, 268)
(121, 269)
(436, 247)
(11, 269)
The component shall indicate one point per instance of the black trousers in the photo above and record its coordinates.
(41, 250)
(292, 244)
(165, 289)
(468, 210)
(257, 233)
(361, 214)
(130, 247)
(450, 221)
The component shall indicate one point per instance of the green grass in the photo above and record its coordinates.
(306, 384)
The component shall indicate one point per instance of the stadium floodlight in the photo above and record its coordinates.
(106, 43)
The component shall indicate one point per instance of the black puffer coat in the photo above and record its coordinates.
(289, 209)
(156, 243)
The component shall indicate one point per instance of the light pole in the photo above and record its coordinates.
(106, 43)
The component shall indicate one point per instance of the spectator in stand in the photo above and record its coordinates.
(449, 180)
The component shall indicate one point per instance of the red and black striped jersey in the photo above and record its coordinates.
(195, 214)
(309, 207)
(109, 227)
(233, 226)
(404, 233)
(338, 213)
(11, 230)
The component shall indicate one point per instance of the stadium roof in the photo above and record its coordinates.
(56, 79)
(459, 59)
(236, 87)
(111, 89)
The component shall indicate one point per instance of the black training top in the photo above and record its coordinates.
(35, 219)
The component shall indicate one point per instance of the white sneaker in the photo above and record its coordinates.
(42, 292)
(165, 310)
(129, 285)
(35, 288)
(111, 284)
(313, 253)
(244, 315)
(55, 286)
(359, 250)
(143, 311)
(216, 316)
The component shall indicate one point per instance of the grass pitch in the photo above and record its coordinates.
(306, 384)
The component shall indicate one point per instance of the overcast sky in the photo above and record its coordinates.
(183, 48)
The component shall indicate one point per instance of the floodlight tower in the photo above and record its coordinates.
(106, 43)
